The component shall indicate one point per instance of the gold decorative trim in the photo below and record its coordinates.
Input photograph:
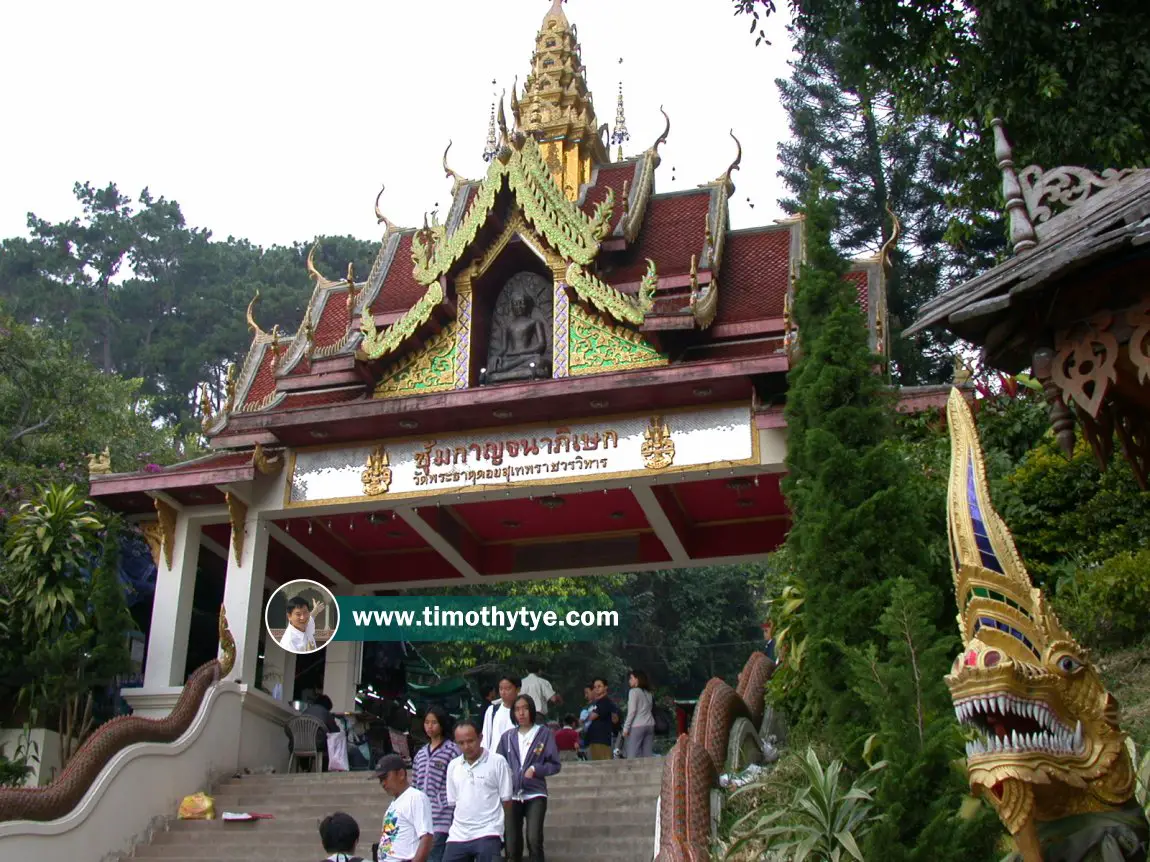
(267, 466)
(167, 524)
(237, 516)
(430, 369)
(754, 460)
(658, 449)
(603, 296)
(154, 537)
(376, 345)
(598, 345)
(376, 476)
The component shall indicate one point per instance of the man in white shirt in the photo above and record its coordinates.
(299, 636)
(499, 719)
(479, 786)
(407, 834)
(540, 691)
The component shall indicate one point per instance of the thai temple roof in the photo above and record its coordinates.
(653, 289)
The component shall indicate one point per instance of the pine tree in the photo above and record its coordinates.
(882, 161)
(857, 524)
(900, 678)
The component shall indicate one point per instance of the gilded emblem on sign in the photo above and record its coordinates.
(658, 448)
(376, 474)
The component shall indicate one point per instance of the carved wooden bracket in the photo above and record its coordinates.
(267, 466)
(155, 539)
(167, 525)
(237, 514)
(1085, 365)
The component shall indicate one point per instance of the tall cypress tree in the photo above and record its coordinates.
(857, 524)
(882, 160)
(878, 612)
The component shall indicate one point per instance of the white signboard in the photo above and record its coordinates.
(602, 448)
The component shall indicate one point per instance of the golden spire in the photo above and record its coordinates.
(556, 106)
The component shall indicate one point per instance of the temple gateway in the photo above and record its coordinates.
(572, 374)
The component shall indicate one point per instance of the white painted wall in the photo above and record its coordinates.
(262, 741)
(141, 782)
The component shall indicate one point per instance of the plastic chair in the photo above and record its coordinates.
(306, 732)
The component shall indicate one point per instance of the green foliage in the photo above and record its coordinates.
(142, 294)
(857, 517)
(900, 679)
(1108, 604)
(880, 158)
(1070, 79)
(824, 822)
(14, 770)
(681, 627)
(1068, 510)
(50, 544)
(61, 584)
(56, 409)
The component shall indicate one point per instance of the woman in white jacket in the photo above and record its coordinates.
(639, 728)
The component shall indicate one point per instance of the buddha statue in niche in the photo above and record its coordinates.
(520, 343)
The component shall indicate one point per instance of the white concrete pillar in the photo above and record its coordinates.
(172, 609)
(243, 598)
(289, 677)
(275, 669)
(341, 673)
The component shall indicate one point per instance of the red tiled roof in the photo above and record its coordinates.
(264, 383)
(332, 326)
(400, 290)
(609, 176)
(674, 227)
(756, 270)
(859, 280)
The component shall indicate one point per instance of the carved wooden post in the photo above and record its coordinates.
(1022, 236)
(1061, 418)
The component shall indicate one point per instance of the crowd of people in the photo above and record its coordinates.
(464, 799)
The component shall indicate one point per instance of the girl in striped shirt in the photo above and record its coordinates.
(429, 774)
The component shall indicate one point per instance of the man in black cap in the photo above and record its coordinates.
(407, 828)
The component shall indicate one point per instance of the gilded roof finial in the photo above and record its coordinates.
(380, 218)
(626, 200)
(501, 120)
(352, 292)
(230, 388)
(620, 136)
(725, 177)
(662, 139)
(456, 179)
(490, 149)
(311, 270)
(252, 325)
(205, 402)
(308, 330)
(275, 346)
(515, 102)
(888, 246)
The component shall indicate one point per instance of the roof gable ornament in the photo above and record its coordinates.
(380, 218)
(725, 177)
(490, 148)
(620, 136)
(252, 325)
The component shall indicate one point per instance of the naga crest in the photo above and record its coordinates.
(1047, 743)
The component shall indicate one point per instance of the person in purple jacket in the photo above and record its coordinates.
(530, 751)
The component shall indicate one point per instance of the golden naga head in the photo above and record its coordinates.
(1046, 742)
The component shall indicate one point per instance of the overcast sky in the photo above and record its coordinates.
(279, 121)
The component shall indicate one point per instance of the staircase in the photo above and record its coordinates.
(603, 811)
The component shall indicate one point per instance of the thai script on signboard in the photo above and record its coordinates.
(507, 473)
(495, 451)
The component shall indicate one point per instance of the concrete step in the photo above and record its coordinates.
(228, 797)
(636, 847)
(646, 764)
